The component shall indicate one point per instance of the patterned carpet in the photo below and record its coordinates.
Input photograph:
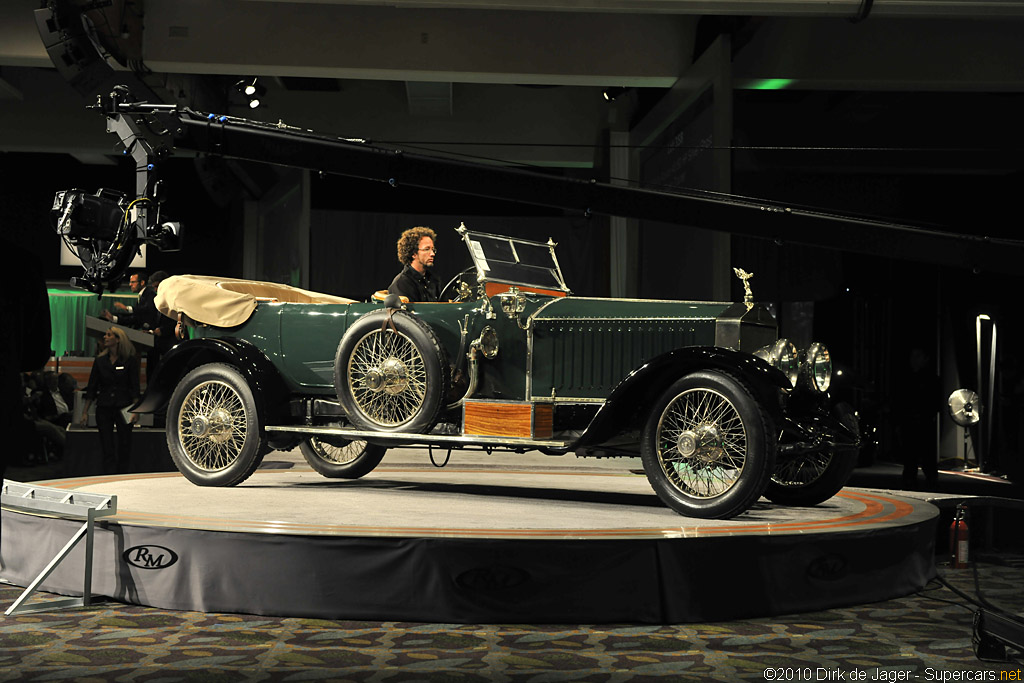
(927, 635)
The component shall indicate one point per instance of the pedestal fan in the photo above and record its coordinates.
(965, 409)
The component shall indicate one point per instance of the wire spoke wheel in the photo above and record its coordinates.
(213, 429)
(340, 459)
(338, 455)
(802, 470)
(814, 477)
(702, 443)
(708, 446)
(212, 426)
(388, 377)
(390, 373)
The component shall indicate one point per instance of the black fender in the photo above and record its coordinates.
(259, 372)
(627, 404)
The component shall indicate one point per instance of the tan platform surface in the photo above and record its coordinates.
(475, 495)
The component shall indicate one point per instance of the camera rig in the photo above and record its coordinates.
(106, 228)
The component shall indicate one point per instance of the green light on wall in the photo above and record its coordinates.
(772, 84)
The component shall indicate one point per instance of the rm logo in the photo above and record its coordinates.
(830, 567)
(150, 557)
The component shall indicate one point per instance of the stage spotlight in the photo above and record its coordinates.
(253, 90)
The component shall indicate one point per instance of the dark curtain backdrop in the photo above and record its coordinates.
(353, 254)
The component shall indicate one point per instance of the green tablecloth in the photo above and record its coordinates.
(68, 308)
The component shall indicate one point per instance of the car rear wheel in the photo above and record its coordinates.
(341, 459)
(707, 447)
(390, 373)
(812, 478)
(213, 427)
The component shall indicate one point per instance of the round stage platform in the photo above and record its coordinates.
(471, 544)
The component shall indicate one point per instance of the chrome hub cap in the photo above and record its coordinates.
(200, 426)
(374, 380)
(212, 425)
(702, 443)
(395, 379)
(391, 377)
(687, 443)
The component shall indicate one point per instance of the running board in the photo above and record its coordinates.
(409, 439)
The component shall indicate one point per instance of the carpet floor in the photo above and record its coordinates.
(920, 637)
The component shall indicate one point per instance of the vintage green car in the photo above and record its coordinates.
(719, 409)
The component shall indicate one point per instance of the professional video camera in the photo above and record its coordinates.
(104, 231)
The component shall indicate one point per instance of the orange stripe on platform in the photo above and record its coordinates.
(877, 509)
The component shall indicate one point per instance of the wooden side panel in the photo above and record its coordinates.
(492, 288)
(508, 418)
(543, 420)
(497, 419)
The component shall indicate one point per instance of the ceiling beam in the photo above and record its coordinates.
(442, 45)
(820, 8)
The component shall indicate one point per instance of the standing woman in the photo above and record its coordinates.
(114, 385)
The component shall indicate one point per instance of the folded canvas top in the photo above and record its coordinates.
(227, 302)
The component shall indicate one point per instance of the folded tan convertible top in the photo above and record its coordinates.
(225, 301)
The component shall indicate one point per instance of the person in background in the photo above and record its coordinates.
(114, 386)
(67, 385)
(50, 403)
(919, 401)
(416, 253)
(141, 315)
(160, 326)
(46, 409)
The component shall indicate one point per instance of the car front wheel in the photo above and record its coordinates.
(213, 428)
(707, 446)
(341, 459)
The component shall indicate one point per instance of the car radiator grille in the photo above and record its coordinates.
(586, 360)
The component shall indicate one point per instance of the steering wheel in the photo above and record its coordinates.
(461, 287)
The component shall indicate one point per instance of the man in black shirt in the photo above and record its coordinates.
(141, 316)
(416, 253)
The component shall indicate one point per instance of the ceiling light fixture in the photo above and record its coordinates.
(252, 90)
(611, 93)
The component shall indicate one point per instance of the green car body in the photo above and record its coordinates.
(703, 392)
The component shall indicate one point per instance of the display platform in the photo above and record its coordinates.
(473, 544)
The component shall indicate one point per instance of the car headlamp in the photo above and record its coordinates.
(487, 342)
(816, 368)
(782, 355)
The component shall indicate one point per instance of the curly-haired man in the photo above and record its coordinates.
(416, 253)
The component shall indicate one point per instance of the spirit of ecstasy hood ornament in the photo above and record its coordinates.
(748, 296)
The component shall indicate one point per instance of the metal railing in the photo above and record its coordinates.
(66, 505)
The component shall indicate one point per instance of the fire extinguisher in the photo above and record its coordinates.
(959, 537)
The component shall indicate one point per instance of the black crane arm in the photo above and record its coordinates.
(151, 132)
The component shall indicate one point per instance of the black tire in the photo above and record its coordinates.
(213, 427)
(336, 459)
(708, 448)
(812, 478)
(391, 375)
